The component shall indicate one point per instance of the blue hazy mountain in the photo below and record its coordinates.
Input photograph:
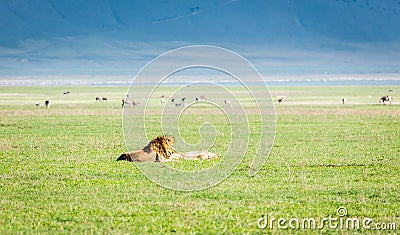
(119, 36)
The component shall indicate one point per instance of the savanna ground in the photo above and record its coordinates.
(58, 171)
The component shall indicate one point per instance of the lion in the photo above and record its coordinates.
(161, 149)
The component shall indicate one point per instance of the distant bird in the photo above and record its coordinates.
(228, 103)
(280, 98)
(47, 103)
(344, 100)
(162, 99)
(66, 92)
(385, 98)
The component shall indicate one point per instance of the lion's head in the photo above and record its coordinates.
(163, 146)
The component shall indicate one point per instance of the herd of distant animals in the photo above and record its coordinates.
(183, 103)
(382, 100)
(163, 99)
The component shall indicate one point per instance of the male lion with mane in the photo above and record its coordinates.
(161, 149)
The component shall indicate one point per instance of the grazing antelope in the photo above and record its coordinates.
(183, 103)
(129, 101)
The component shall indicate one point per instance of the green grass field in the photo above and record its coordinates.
(58, 172)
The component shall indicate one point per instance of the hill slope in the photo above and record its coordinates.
(105, 36)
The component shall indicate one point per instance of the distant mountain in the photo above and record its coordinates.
(119, 36)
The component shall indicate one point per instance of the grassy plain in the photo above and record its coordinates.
(58, 172)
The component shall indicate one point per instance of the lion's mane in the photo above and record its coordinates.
(159, 149)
